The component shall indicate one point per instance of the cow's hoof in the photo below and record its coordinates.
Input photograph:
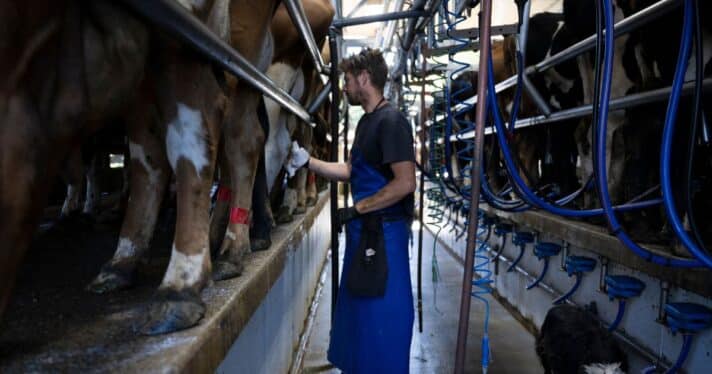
(109, 281)
(300, 209)
(260, 244)
(225, 270)
(172, 314)
(311, 201)
(283, 216)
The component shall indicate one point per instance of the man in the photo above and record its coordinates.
(372, 334)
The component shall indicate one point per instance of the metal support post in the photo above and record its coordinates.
(422, 202)
(465, 298)
(334, 157)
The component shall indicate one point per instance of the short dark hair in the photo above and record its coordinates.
(370, 60)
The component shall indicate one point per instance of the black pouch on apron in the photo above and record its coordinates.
(368, 273)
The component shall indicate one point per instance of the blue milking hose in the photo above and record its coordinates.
(668, 133)
(601, 144)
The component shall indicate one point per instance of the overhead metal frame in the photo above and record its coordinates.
(623, 27)
(624, 102)
(296, 11)
(341, 23)
(177, 21)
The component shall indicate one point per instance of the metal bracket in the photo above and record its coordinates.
(564, 254)
(474, 33)
(662, 300)
(439, 51)
(602, 274)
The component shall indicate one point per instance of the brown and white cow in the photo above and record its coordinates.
(66, 67)
(301, 188)
(192, 111)
(292, 70)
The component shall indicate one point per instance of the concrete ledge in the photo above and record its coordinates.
(95, 333)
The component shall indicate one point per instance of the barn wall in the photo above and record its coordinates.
(268, 341)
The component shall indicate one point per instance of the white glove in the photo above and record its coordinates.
(298, 158)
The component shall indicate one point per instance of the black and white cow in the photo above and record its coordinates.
(571, 340)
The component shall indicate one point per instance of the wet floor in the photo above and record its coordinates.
(433, 350)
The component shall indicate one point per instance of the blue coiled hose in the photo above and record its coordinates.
(482, 287)
(452, 117)
(481, 261)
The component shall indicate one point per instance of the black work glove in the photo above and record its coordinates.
(344, 215)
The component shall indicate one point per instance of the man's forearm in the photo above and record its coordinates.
(385, 197)
(330, 170)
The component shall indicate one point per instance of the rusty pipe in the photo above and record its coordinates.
(465, 298)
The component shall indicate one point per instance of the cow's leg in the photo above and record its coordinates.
(92, 192)
(262, 220)
(305, 135)
(191, 142)
(23, 189)
(73, 176)
(311, 189)
(615, 160)
(527, 150)
(244, 143)
(278, 141)
(584, 130)
(301, 186)
(221, 211)
(148, 178)
(289, 202)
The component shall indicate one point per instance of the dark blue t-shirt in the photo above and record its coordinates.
(383, 137)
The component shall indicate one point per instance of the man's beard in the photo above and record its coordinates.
(353, 99)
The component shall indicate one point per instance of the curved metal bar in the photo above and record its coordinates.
(573, 289)
(686, 344)
(501, 247)
(299, 18)
(519, 258)
(177, 21)
(541, 276)
(619, 315)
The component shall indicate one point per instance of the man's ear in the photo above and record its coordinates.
(363, 78)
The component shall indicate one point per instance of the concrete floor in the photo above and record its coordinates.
(433, 351)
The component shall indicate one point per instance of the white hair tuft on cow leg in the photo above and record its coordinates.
(177, 303)
(185, 139)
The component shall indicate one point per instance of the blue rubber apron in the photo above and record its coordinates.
(373, 335)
